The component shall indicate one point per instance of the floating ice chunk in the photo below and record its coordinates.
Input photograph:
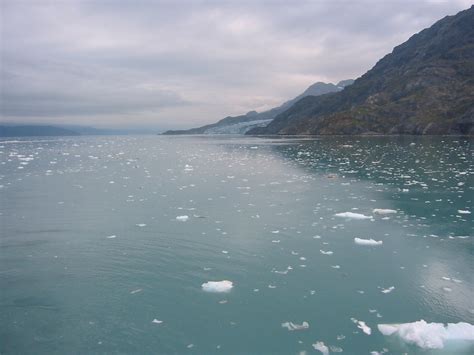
(352, 215)
(429, 335)
(217, 286)
(136, 291)
(141, 225)
(383, 211)
(276, 241)
(446, 278)
(447, 289)
(326, 252)
(464, 212)
(388, 290)
(111, 237)
(369, 242)
(157, 321)
(361, 325)
(293, 326)
(276, 232)
(182, 218)
(321, 347)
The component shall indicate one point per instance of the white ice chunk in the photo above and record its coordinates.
(464, 212)
(157, 321)
(293, 326)
(111, 237)
(383, 211)
(182, 218)
(217, 286)
(429, 335)
(388, 290)
(321, 347)
(326, 252)
(370, 242)
(352, 215)
(361, 325)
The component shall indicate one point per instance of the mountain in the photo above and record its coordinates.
(34, 130)
(8, 129)
(425, 86)
(243, 123)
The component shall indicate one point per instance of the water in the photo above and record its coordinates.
(255, 208)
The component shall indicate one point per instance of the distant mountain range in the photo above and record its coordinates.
(13, 130)
(34, 130)
(241, 124)
(425, 86)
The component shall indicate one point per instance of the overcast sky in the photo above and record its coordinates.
(178, 64)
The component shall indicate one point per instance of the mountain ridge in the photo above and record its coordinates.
(424, 86)
(318, 88)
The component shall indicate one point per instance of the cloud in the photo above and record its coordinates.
(185, 63)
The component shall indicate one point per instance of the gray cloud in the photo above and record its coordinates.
(185, 63)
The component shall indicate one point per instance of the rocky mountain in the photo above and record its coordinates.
(242, 124)
(425, 86)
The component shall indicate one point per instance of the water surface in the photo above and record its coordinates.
(91, 250)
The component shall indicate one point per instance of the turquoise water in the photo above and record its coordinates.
(92, 252)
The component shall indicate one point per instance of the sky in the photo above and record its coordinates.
(182, 64)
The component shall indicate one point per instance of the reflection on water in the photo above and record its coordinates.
(95, 247)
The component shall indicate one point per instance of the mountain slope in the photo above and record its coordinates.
(425, 86)
(243, 123)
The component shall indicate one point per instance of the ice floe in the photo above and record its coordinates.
(321, 347)
(293, 326)
(383, 211)
(326, 252)
(217, 286)
(352, 215)
(362, 326)
(182, 218)
(388, 290)
(369, 242)
(429, 335)
(157, 321)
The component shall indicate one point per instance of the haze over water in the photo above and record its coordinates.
(95, 260)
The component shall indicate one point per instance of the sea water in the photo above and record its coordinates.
(235, 245)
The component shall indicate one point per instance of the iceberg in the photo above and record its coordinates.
(370, 242)
(352, 215)
(329, 252)
(429, 335)
(383, 211)
(388, 290)
(321, 347)
(362, 326)
(293, 326)
(217, 286)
